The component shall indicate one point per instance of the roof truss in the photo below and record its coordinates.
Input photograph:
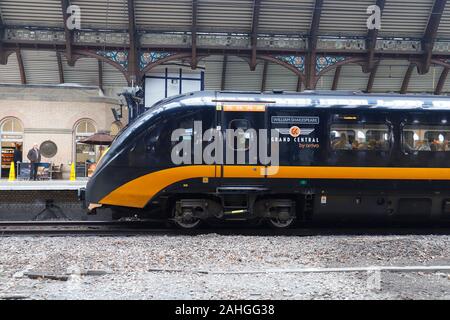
(442, 80)
(312, 45)
(371, 41)
(23, 76)
(194, 59)
(430, 35)
(65, 4)
(407, 78)
(133, 64)
(224, 72)
(60, 67)
(254, 33)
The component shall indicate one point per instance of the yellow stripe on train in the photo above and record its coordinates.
(139, 192)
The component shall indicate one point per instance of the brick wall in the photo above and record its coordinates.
(52, 114)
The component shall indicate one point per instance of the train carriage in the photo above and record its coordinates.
(302, 156)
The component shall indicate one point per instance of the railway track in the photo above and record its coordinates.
(135, 228)
(77, 228)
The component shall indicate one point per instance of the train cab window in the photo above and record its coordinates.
(243, 137)
(424, 138)
(360, 137)
(155, 144)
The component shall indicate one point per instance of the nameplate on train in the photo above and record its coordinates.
(296, 120)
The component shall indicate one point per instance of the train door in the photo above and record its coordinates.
(241, 125)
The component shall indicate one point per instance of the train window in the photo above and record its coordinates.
(237, 124)
(360, 137)
(423, 138)
(242, 135)
(157, 142)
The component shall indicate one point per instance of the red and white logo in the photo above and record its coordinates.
(295, 132)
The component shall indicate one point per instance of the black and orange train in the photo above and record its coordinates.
(341, 155)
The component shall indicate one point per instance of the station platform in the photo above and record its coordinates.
(43, 200)
(52, 185)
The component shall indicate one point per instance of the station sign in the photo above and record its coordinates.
(11, 137)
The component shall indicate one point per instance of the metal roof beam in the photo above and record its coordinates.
(194, 34)
(299, 84)
(372, 77)
(442, 80)
(133, 63)
(65, 4)
(312, 48)
(60, 68)
(371, 41)
(264, 76)
(39, 45)
(224, 72)
(254, 34)
(23, 77)
(3, 59)
(407, 78)
(315, 25)
(100, 74)
(430, 35)
(337, 75)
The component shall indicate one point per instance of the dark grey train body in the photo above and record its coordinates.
(346, 154)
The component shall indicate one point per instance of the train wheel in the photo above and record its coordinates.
(188, 224)
(277, 223)
(186, 221)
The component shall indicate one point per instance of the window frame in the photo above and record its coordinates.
(247, 148)
(416, 152)
(388, 124)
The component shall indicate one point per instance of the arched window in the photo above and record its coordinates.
(85, 154)
(11, 139)
(12, 125)
(85, 128)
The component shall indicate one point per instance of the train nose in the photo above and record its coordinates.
(90, 200)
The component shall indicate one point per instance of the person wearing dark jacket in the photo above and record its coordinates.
(18, 156)
(34, 155)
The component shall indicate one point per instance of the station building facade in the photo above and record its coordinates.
(60, 118)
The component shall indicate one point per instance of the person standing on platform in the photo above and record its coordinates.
(34, 155)
(18, 156)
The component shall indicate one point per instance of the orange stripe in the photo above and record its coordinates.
(244, 172)
(139, 192)
(363, 173)
(244, 108)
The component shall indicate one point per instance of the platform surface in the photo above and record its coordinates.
(57, 185)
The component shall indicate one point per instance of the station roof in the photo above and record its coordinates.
(408, 28)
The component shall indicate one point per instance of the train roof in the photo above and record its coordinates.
(316, 99)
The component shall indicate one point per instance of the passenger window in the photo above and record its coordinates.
(423, 138)
(360, 137)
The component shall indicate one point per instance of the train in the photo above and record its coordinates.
(280, 158)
